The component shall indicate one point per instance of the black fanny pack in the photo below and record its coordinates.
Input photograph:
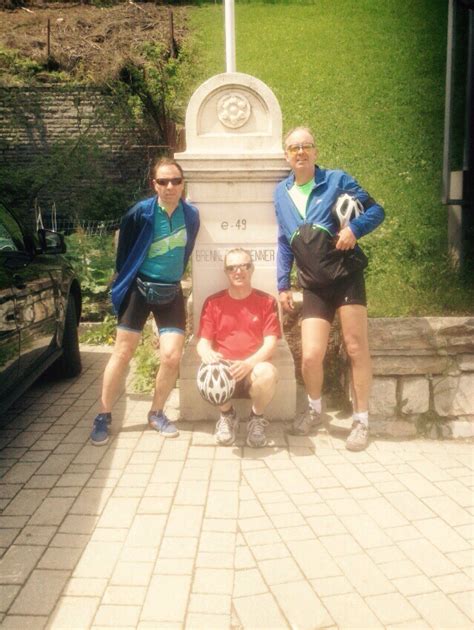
(158, 292)
(318, 261)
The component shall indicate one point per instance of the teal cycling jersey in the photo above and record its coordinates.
(165, 257)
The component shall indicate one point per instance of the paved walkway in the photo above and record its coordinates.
(149, 533)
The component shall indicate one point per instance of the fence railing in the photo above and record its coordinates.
(68, 225)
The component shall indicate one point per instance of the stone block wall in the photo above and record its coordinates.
(34, 119)
(423, 376)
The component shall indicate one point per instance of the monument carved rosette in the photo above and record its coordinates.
(233, 110)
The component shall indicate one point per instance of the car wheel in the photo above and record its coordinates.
(69, 363)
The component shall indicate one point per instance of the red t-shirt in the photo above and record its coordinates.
(237, 327)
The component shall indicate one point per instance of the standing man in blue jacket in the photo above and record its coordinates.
(156, 239)
(309, 204)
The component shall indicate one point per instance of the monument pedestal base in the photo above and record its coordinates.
(193, 407)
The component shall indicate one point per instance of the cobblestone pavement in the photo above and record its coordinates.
(154, 533)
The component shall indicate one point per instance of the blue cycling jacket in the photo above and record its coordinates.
(328, 185)
(136, 236)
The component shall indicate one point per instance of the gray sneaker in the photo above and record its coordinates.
(358, 437)
(305, 422)
(226, 428)
(256, 437)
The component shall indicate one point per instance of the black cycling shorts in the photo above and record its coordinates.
(323, 302)
(135, 310)
(242, 388)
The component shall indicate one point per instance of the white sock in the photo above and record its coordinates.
(362, 417)
(315, 404)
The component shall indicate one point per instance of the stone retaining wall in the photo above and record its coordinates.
(35, 119)
(423, 376)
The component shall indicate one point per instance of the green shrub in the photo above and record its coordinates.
(17, 66)
(101, 334)
(146, 363)
(93, 258)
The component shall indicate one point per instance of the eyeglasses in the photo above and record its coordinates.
(164, 181)
(294, 148)
(233, 268)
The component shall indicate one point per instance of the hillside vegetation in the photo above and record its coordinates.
(369, 78)
(131, 53)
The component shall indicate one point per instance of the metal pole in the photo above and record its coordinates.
(48, 43)
(451, 44)
(171, 33)
(229, 36)
(468, 162)
(469, 127)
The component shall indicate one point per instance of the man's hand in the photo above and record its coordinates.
(346, 239)
(208, 355)
(240, 369)
(286, 300)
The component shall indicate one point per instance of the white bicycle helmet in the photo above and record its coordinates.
(345, 209)
(215, 382)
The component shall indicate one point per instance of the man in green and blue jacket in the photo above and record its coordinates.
(309, 206)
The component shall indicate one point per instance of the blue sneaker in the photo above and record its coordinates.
(158, 421)
(100, 430)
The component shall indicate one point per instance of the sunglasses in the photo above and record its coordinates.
(164, 181)
(232, 268)
(294, 148)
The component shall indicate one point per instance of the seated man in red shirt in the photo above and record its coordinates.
(241, 325)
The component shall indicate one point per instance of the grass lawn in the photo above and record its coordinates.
(368, 77)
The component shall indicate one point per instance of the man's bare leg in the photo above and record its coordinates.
(354, 325)
(314, 342)
(126, 343)
(263, 377)
(171, 349)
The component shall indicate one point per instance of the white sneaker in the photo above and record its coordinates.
(256, 437)
(358, 437)
(226, 428)
(306, 422)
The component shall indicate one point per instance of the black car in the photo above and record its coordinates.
(40, 307)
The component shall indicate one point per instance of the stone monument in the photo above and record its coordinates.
(233, 161)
